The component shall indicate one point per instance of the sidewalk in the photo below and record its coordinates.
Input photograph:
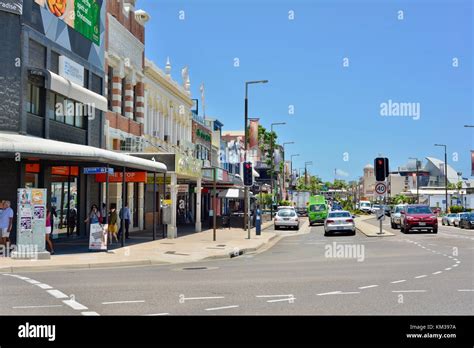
(368, 229)
(190, 248)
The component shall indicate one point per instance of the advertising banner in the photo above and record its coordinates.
(31, 219)
(81, 15)
(13, 6)
(98, 237)
(253, 133)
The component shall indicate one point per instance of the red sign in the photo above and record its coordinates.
(64, 170)
(117, 177)
(32, 168)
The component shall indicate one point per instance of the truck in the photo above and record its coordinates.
(300, 201)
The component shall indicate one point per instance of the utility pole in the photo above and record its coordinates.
(273, 162)
(445, 174)
(417, 182)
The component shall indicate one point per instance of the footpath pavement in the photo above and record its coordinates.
(190, 248)
(368, 229)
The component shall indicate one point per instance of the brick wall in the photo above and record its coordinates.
(114, 7)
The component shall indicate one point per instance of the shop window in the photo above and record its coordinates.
(70, 112)
(58, 108)
(35, 101)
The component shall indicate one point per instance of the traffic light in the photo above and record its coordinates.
(248, 175)
(381, 168)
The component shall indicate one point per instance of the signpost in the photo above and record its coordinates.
(381, 191)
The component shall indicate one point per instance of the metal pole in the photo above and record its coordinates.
(271, 172)
(214, 205)
(122, 221)
(69, 202)
(164, 197)
(417, 184)
(154, 205)
(248, 212)
(246, 190)
(446, 177)
(106, 221)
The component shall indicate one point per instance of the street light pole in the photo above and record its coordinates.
(417, 182)
(445, 174)
(291, 160)
(306, 171)
(273, 163)
(246, 189)
(284, 152)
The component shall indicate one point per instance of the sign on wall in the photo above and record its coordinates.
(13, 6)
(81, 15)
(31, 219)
(71, 70)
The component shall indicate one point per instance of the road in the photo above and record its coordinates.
(414, 274)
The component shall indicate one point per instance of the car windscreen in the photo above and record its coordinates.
(339, 214)
(317, 207)
(419, 210)
(366, 204)
(286, 213)
(398, 209)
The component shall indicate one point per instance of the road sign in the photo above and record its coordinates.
(381, 188)
(98, 170)
(380, 214)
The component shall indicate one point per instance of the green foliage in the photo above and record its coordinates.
(456, 209)
(285, 203)
(313, 184)
(264, 199)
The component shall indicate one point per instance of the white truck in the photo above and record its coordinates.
(300, 201)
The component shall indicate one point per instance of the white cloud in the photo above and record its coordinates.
(340, 172)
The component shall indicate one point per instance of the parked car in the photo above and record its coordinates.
(448, 219)
(418, 217)
(467, 221)
(340, 220)
(457, 218)
(285, 207)
(286, 218)
(395, 215)
(365, 206)
(387, 210)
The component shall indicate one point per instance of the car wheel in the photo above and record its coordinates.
(461, 226)
(275, 227)
(297, 228)
(442, 223)
(353, 233)
(435, 230)
(394, 226)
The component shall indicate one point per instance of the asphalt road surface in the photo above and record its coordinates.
(307, 274)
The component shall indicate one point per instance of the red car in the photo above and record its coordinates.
(418, 217)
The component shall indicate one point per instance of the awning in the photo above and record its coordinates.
(11, 143)
(235, 193)
(73, 91)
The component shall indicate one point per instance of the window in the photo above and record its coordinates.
(123, 96)
(69, 112)
(58, 108)
(35, 100)
(134, 107)
(339, 215)
(55, 62)
(110, 84)
(86, 78)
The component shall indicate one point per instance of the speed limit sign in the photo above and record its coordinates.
(381, 188)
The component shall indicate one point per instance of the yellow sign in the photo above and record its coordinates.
(167, 201)
(159, 179)
(188, 166)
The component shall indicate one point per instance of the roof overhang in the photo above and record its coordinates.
(62, 151)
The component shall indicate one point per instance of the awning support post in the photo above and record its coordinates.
(122, 221)
(154, 205)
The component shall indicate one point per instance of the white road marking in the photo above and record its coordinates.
(437, 272)
(458, 261)
(32, 281)
(121, 302)
(57, 293)
(202, 298)
(50, 306)
(289, 295)
(466, 290)
(367, 287)
(448, 269)
(408, 290)
(398, 281)
(455, 265)
(339, 293)
(219, 308)
(450, 257)
(289, 299)
(75, 305)
(44, 286)
(157, 314)
(421, 276)
(90, 313)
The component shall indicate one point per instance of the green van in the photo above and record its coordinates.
(317, 209)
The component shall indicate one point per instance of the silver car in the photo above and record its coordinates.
(286, 218)
(448, 219)
(339, 220)
(457, 218)
(395, 218)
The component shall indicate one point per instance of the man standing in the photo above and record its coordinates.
(125, 216)
(6, 221)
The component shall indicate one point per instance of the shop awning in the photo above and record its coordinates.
(233, 193)
(11, 143)
(71, 90)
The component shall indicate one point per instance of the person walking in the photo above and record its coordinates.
(125, 216)
(112, 219)
(6, 221)
(72, 221)
(48, 232)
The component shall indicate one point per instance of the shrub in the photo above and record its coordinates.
(456, 209)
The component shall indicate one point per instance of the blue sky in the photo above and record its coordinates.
(337, 109)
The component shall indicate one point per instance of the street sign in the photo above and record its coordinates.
(380, 214)
(381, 188)
(98, 170)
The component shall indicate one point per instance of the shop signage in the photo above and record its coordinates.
(98, 170)
(159, 179)
(117, 177)
(31, 219)
(71, 70)
(203, 135)
(81, 15)
(183, 188)
(65, 170)
(13, 6)
(188, 166)
(32, 167)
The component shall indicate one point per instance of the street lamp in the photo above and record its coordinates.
(246, 195)
(306, 171)
(284, 152)
(468, 126)
(417, 183)
(445, 174)
(291, 160)
(273, 160)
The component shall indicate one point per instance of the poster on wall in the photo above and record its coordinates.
(81, 15)
(31, 218)
(98, 237)
(12, 6)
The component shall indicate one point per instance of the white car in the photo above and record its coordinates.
(339, 220)
(286, 218)
(395, 216)
(365, 206)
(457, 218)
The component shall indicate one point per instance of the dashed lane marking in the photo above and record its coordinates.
(339, 293)
(44, 286)
(75, 305)
(465, 290)
(27, 307)
(123, 302)
(157, 314)
(408, 290)
(421, 276)
(219, 308)
(367, 287)
(398, 281)
(438, 272)
(90, 313)
(57, 293)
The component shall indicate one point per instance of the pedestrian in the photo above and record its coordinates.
(72, 220)
(48, 231)
(94, 216)
(112, 219)
(125, 216)
(103, 212)
(6, 221)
